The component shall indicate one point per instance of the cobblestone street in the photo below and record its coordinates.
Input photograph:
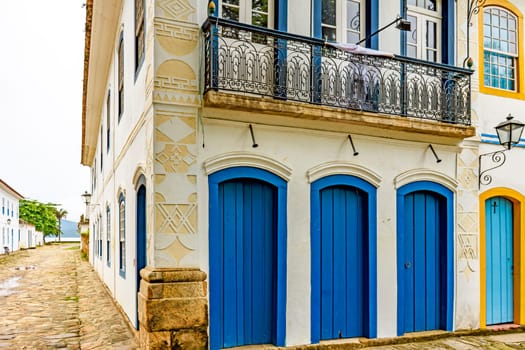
(51, 299)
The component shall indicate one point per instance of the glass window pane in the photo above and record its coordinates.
(504, 21)
(431, 55)
(431, 35)
(431, 5)
(512, 48)
(260, 5)
(232, 2)
(411, 51)
(328, 34)
(230, 12)
(486, 18)
(412, 2)
(512, 23)
(512, 36)
(412, 36)
(353, 15)
(495, 19)
(352, 37)
(328, 14)
(504, 46)
(259, 19)
(504, 35)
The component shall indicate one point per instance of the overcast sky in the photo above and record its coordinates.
(41, 70)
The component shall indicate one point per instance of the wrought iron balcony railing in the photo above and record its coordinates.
(252, 60)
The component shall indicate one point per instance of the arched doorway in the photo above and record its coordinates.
(343, 244)
(501, 231)
(141, 236)
(247, 257)
(425, 257)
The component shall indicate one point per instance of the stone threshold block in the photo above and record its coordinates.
(173, 308)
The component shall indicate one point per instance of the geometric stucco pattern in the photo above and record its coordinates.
(176, 38)
(175, 184)
(467, 210)
(176, 218)
(175, 158)
(176, 83)
(176, 9)
(467, 229)
(176, 99)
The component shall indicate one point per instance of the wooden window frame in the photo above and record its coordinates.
(519, 93)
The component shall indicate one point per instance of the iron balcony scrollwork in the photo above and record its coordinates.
(247, 59)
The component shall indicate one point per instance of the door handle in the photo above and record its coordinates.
(408, 265)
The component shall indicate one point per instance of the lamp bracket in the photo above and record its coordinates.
(497, 158)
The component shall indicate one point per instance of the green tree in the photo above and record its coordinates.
(41, 215)
(60, 213)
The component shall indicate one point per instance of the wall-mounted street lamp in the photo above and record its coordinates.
(509, 134)
(86, 198)
(401, 24)
(9, 221)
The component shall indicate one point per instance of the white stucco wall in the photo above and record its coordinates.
(301, 150)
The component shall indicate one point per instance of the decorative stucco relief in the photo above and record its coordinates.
(176, 83)
(176, 9)
(176, 218)
(176, 38)
(170, 250)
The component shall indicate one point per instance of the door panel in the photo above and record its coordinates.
(247, 220)
(424, 261)
(343, 255)
(499, 260)
(141, 237)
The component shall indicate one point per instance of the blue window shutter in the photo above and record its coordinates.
(282, 15)
(372, 23)
(447, 35)
(316, 18)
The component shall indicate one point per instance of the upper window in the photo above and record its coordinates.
(122, 234)
(256, 12)
(121, 76)
(108, 236)
(108, 120)
(341, 21)
(424, 39)
(99, 223)
(500, 48)
(139, 33)
(101, 147)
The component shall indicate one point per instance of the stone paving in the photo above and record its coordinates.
(50, 298)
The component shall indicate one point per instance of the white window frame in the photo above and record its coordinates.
(245, 11)
(422, 16)
(341, 19)
(508, 54)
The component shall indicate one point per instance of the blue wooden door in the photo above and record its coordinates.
(248, 235)
(141, 236)
(343, 262)
(499, 260)
(424, 262)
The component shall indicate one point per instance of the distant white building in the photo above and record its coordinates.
(9, 228)
(28, 235)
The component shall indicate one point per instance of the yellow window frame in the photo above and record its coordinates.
(520, 82)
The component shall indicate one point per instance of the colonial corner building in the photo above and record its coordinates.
(257, 178)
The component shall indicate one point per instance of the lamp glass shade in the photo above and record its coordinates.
(509, 132)
(86, 197)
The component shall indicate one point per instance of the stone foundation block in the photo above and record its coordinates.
(173, 309)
